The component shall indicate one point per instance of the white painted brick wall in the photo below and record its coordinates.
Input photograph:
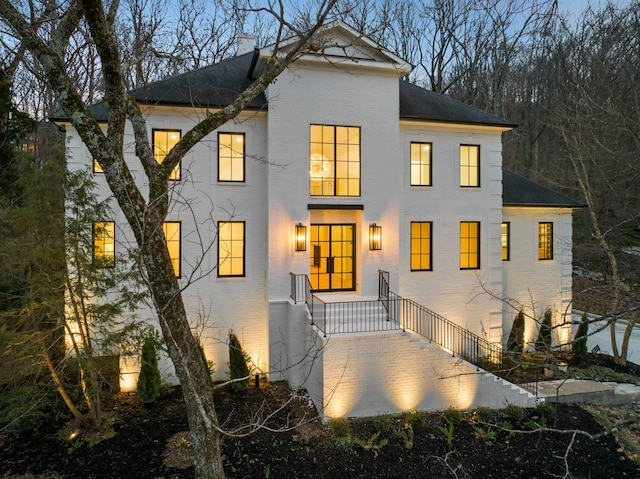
(390, 373)
(534, 284)
(449, 291)
(214, 305)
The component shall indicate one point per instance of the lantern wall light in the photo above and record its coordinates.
(301, 237)
(375, 237)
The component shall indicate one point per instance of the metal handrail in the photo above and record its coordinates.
(404, 313)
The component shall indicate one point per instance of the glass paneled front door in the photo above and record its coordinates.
(332, 262)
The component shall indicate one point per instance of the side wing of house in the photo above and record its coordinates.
(536, 256)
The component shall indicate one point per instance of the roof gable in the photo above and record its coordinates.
(337, 42)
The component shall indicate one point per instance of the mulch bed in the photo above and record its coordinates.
(141, 436)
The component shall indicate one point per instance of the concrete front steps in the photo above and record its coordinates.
(389, 372)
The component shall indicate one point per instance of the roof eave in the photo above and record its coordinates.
(505, 126)
(543, 205)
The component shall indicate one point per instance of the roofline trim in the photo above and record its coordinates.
(505, 126)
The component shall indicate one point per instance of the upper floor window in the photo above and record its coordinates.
(470, 165)
(469, 245)
(231, 240)
(231, 163)
(545, 240)
(420, 164)
(506, 241)
(421, 245)
(163, 141)
(104, 244)
(334, 160)
(172, 236)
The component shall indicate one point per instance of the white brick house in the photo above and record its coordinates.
(340, 175)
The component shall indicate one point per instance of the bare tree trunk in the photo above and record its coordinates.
(627, 336)
(59, 386)
(146, 217)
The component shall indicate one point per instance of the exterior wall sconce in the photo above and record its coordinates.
(301, 237)
(375, 237)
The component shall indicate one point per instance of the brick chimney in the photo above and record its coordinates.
(246, 43)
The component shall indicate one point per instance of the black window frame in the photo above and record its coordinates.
(244, 155)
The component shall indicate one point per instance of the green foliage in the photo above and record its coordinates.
(416, 419)
(507, 426)
(484, 435)
(90, 438)
(544, 340)
(545, 412)
(374, 443)
(54, 288)
(340, 427)
(23, 407)
(149, 383)
(453, 416)
(483, 414)
(31, 273)
(239, 362)
(405, 435)
(513, 412)
(515, 342)
(447, 432)
(579, 346)
(383, 424)
(341, 431)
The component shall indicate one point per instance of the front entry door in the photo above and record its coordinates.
(332, 257)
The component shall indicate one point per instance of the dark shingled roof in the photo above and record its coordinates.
(217, 85)
(519, 191)
(213, 86)
(419, 104)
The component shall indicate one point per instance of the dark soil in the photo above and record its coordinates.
(153, 443)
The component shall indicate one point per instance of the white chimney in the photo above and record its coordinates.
(246, 43)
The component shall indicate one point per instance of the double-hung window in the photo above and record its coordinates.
(163, 141)
(231, 157)
(172, 236)
(506, 241)
(470, 165)
(104, 244)
(469, 245)
(231, 248)
(545, 241)
(334, 160)
(421, 245)
(421, 164)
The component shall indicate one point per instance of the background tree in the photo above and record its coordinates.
(31, 263)
(146, 215)
(99, 291)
